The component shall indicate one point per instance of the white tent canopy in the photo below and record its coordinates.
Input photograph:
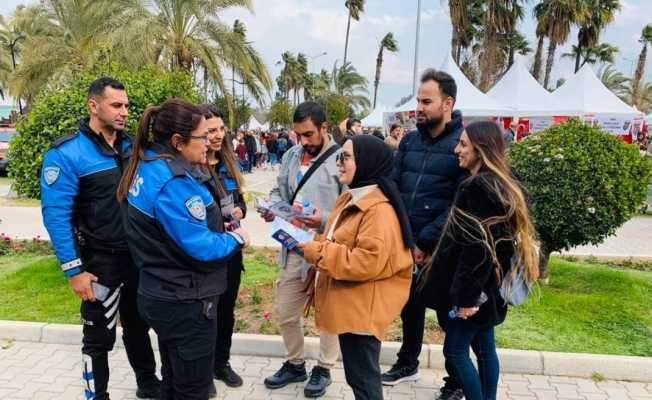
(254, 125)
(519, 90)
(584, 94)
(470, 100)
(375, 118)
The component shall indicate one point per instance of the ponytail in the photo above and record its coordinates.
(138, 153)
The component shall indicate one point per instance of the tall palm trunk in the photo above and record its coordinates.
(379, 64)
(346, 43)
(638, 75)
(455, 46)
(536, 68)
(552, 47)
(578, 56)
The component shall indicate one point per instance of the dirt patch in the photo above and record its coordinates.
(255, 313)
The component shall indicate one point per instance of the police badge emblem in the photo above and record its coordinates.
(196, 208)
(51, 174)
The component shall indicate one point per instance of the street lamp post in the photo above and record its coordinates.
(312, 58)
(416, 49)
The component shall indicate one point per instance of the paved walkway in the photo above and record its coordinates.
(631, 240)
(50, 371)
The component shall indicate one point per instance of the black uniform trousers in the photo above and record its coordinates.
(186, 340)
(225, 311)
(117, 272)
(361, 359)
(413, 317)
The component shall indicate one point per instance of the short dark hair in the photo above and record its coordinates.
(446, 82)
(310, 110)
(350, 122)
(210, 111)
(96, 88)
(394, 126)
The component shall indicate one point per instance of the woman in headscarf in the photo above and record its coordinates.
(363, 262)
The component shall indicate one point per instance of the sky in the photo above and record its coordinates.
(317, 26)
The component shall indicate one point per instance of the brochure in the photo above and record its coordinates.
(289, 235)
(281, 209)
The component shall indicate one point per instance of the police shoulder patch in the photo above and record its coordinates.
(51, 174)
(196, 208)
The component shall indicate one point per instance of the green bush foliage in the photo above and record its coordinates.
(56, 112)
(583, 183)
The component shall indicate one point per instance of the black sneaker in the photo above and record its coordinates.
(320, 378)
(212, 391)
(450, 392)
(227, 375)
(399, 373)
(288, 373)
(149, 389)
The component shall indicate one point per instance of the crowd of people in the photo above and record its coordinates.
(148, 230)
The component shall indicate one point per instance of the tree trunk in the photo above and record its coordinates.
(638, 75)
(379, 64)
(346, 43)
(578, 56)
(544, 258)
(552, 47)
(455, 48)
(510, 61)
(536, 68)
(459, 53)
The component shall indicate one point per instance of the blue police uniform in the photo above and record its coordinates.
(176, 235)
(226, 303)
(79, 179)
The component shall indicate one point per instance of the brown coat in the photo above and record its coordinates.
(365, 271)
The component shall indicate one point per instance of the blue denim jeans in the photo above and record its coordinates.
(481, 383)
(272, 159)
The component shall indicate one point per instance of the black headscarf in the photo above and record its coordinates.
(374, 161)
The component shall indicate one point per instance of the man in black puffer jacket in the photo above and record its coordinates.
(427, 173)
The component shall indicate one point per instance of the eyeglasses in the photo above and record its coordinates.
(340, 158)
(202, 138)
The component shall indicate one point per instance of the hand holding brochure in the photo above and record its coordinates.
(289, 235)
(281, 209)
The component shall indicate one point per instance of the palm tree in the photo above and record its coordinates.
(559, 16)
(11, 37)
(643, 100)
(188, 34)
(614, 80)
(355, 7)
(300, 74)
(500, 18)
(602, 13)
(466, 19)
(603, 53)
(541, 32)
(347, 82)
(67, 35)
(285, 79)
(390, 44)
(512, 44)
(646, 38)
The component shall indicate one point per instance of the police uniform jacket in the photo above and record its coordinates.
(79, 179)
(175, 230)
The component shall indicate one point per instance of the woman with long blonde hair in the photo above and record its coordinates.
(488, 237)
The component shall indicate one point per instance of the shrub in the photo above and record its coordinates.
(583, 183)
(56, 112)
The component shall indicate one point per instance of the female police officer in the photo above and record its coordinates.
(227, 187)
(175, 232)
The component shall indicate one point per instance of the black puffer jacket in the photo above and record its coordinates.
(462, 268)
(427, 173)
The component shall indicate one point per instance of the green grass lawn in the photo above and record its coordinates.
(585, 308)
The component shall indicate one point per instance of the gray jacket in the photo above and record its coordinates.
(322, 189)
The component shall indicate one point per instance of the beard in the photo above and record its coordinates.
(429, 124)
(314, 149)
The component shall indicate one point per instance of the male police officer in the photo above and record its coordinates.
(79, 179)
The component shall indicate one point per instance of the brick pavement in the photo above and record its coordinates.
(52, 371)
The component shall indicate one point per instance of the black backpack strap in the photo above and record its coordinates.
(313, 168)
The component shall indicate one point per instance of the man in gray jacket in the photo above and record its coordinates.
(321, 190)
